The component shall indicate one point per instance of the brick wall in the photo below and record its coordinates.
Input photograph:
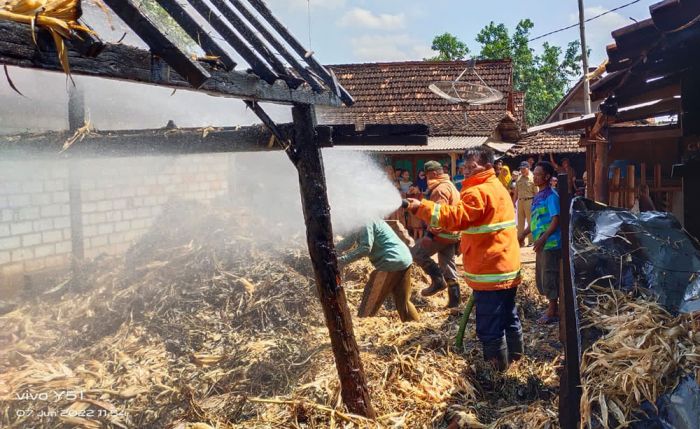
(119, 200)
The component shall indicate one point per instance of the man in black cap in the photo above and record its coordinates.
(444, 275)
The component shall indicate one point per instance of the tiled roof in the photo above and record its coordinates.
(397, 93)
(548, 142)
(435, 144)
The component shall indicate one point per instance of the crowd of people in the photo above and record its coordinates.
(478, 223)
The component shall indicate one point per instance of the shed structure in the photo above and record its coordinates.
(278, 69)
(647, 120)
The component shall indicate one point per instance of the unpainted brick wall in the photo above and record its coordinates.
(120, 199)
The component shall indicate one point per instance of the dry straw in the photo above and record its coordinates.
(642, 354)
(59, 17)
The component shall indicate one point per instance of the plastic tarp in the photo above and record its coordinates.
(647, 253)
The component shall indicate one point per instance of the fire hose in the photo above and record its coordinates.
(463, 322)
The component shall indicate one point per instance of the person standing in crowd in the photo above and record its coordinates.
(405, 182)
(459, 177)
(554, 182)
(415, 225)
(525, 190)
(391, 258)
(531, 162)
(503, 173)
(443, 241)
(565, 168)
(422, 181)
(544, 226)
(490, 252)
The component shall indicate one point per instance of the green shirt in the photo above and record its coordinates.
(377, 240)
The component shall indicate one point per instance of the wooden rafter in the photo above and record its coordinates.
(132, 64)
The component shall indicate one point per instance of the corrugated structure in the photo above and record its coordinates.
(397, 93)
(554, 142)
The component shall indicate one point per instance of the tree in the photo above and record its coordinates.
(544, 78)
(449, 48)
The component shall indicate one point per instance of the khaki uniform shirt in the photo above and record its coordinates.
(526, 187)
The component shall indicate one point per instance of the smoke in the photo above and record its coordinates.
(358, 189)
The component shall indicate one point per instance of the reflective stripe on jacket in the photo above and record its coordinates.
(443, 191)
(489, 243)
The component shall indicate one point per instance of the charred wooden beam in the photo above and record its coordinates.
(669, 15)
(260, 47)
(132, 64)
(197, 33)
(318, 68)
(159, 42)
(570, 381)
(319, 235)
(310, 79)
(145, 142)
(212, 17)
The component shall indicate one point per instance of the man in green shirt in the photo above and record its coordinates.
(392, 262)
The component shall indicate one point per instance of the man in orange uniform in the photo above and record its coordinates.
(442, 241)
(490, 252)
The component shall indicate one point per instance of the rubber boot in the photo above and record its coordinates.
(496, 353)
(438, 283)
(514, 340)
(453, 294)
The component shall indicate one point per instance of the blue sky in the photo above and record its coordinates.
(345, 31)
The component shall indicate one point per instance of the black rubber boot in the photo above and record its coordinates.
(515, 346)
(438, 283)
(453, 294)
(496, 353)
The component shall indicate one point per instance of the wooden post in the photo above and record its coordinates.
(643, 174)
(76, 119)
(453, 164)
(570, 381)
(615, 188)
(601, 171)
(307, 158)
(631, 194)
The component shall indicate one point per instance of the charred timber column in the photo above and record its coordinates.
(319, 235)
(570, 380)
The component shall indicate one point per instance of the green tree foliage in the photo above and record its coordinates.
(544, 78)
(449, 48)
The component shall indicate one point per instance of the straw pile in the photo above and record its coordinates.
(643, 353)
(202, 326)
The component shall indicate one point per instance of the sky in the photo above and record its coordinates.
(342, 31)
(351, 31)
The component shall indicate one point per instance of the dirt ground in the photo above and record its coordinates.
(202, 326)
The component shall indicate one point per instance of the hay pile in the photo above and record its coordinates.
(643, 353)
(202, 326)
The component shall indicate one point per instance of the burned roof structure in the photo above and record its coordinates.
(52, 38)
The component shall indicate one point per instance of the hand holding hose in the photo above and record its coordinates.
(410, 204)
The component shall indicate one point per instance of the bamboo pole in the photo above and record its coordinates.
(630, 187)
(615, 188)
(601, 174)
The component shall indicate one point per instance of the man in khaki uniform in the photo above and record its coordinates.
(525, 190)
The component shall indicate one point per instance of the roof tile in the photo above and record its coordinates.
(397, 93)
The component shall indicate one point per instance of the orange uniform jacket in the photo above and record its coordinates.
(486, 218)
(444, 192)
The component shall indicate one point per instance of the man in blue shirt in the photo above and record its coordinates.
(459, 177)
(544, 225)
(392, 262)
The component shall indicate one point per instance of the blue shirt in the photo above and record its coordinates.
(545, 205)
(377, 240)
(457, 180)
